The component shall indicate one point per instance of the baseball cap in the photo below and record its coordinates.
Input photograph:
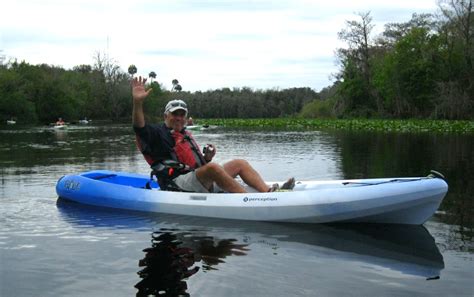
(175, 105)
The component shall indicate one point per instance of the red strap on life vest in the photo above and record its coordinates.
(183, 150)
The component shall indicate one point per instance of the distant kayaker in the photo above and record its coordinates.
(60, 122)
(190, 121)
(171, 141)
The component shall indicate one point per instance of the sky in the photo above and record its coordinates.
(205, 44)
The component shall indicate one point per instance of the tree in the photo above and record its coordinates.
(395, 31)
(83, 68)
(114, 87)
(456, 90)
(152, 75)
(176, 86)
(406, 76)
(356, 87)
(357, 36)
(459, 13)
(132, 69)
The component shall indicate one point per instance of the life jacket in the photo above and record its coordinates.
(158, 143)
(187, 150)
(162, 146)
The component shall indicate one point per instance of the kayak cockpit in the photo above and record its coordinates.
(137, 181)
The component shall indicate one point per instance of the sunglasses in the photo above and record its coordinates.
(180, 104)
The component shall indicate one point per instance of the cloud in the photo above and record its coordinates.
(205, 44)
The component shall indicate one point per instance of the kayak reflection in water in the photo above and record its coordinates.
(168, 262)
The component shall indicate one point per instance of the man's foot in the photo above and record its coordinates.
(274, 188)
(289, 184)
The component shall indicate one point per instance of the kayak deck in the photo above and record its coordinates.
(141, 181)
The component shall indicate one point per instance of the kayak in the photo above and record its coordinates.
(193, 127)
(63, 126)
(407, 200)
(197, 127)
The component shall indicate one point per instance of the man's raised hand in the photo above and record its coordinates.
(139, 93)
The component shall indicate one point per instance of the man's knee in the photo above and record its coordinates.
(239, 163)
(208, 174)
(211, 168)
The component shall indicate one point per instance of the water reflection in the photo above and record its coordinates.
(60, 135)
(166, 265)
(409, 250)
(308, 155)
(168, 262)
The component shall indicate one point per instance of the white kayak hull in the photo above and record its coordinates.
(395, 200)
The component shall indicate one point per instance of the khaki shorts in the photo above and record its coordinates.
(190, 183)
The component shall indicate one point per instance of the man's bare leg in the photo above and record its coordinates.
(243, 169)
(212, 172)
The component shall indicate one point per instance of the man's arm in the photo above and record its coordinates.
(138, 118)
(139, 94)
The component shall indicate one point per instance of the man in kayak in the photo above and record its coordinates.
(170, 141)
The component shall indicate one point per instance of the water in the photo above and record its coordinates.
(51, 248)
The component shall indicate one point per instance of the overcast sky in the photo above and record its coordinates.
(205, 44)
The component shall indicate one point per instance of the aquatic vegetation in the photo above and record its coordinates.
(439, 126)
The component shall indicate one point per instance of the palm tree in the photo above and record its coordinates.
(152, 75)
(132, 69)
(175, 83)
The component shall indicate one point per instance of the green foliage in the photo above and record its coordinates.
(416, 59)
(32, 93)
(245, 102)
(438, 126)
(155, 103)
(421, 68)
(353, 90)
(102, 91)
(406, 77)
(318, 109)
(13, 101)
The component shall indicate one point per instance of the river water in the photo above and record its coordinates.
(52, 248)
